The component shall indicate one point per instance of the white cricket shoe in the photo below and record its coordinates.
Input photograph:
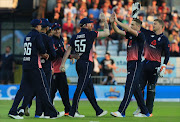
(60, 114)
(15, 116)
(117, 114)
(77, 115)
(21, 112)
(48, 117)
(140, 115)
(137, 111)
(102, 114)
(26, 111)
(42, 116)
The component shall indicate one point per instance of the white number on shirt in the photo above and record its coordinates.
(80, 46)
(27, 48)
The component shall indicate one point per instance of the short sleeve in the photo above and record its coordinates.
(146, 32)
(102, 62)
(166, 48)
(94, 34)
(71, 42)
(112, 61)
(140, 36)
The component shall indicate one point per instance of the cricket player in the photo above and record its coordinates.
(59, 81)
(82, 43)
(33, 79)
(46, 66)
(134, 50)
(156, 44)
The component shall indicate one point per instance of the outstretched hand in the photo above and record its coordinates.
(112, 18)
(62, 68)
(135, 9)
(46, 56)
(102, 17)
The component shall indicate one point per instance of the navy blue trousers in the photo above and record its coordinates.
(85, 84)
(132, 87)
(59, 82)
(33, 84)
(149, 73)
(149, 77)
(17, 100)
(39, 106)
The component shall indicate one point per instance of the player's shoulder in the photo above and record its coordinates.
(61, 38)
(112, 60)
(143, 30)
(74, 36)
(93, 31)
(165, 38)
(45, 36)
(35, 32)
(140, 32)
(93, 34)
(50, 38)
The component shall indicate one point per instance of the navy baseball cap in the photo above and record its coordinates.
(55, 26)
(45, 23)
(85, 21)
(36, 22)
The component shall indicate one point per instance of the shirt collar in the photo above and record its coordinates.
(35, 30)
(84, 30)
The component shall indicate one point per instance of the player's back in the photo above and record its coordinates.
(33, 46)
(82, 43)
(48, 43)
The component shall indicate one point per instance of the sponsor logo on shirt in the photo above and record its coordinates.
(130, 44)
(153, 44)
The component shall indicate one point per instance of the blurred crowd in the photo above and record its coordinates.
(69, 13)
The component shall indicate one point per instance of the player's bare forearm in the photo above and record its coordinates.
(105, 32)
(114, 66)
(76, 56)
(117, 30)
(66, 55)
(126, 27)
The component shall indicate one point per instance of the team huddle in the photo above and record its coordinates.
(44, 55)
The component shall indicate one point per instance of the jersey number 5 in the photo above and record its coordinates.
(80, 45)
(27, 48)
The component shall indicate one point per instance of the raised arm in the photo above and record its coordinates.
(125, 27)
(116, 29)
(105, 32)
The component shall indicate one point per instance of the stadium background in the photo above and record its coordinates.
(15, 17)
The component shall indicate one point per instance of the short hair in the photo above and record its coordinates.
(137, 21)
(68, 3)
(108, 54)
(8, 47)
(160, 21)
(82, 25)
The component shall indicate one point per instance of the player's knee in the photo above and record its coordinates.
(151, 87)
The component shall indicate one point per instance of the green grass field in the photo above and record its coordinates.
(163, 112)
